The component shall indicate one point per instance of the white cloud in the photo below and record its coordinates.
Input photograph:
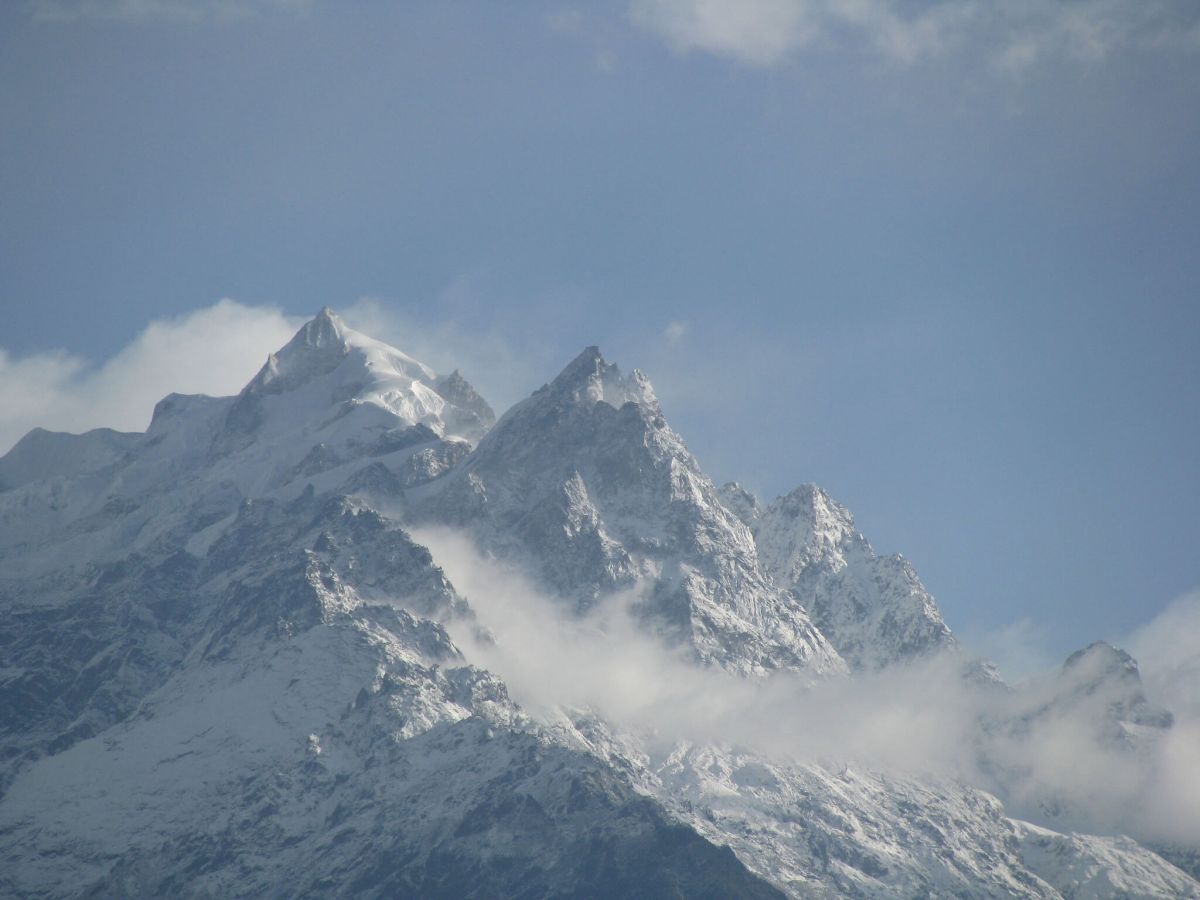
(1042, 747)
(609, 662)
(675, 331)
(758, 32)
(1168, 653)
(1012, 35)
(1019, 649)
(215, 350)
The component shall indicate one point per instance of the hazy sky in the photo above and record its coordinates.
(941, 258)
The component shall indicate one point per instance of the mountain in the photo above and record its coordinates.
(873, 609)
(1092, 714)
(587, 485)
(228, 665)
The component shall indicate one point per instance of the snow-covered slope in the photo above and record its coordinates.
(873, 609)
(45, 454)
(316, 735)
(226, 665)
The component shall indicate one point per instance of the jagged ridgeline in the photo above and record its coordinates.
(228, 665)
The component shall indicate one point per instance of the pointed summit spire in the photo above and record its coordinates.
(324, 330)
(591, 379)
(317, 348)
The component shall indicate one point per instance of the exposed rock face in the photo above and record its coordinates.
(227, 668)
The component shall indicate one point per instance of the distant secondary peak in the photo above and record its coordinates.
(1101, 659)
(811, 503)
(740, 502)
(1111, 675)
(474, 415)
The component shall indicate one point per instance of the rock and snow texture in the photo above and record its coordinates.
(873, 609)
(587, 484)
(226, 666)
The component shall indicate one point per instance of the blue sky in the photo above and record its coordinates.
(940, 258)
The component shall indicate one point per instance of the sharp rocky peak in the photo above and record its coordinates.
(873, 609)
(826, 520)
(316, 349)
(591, 379)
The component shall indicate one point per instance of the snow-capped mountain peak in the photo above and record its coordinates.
(587, 484)
(873, 609)
(590, 379)
(316, 349)
(343, 387)
(820, 528)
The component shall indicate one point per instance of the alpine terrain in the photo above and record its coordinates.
(260, 651)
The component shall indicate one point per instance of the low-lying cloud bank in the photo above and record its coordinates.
(1046, 749)
(214, 350)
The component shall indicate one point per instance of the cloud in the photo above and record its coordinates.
(1012, 35)
(215, 350)
(1046, 748)
(607, 661)
(675, 331)
(172, 10)
(757, 32)
(1168, 654)
(1019, 649)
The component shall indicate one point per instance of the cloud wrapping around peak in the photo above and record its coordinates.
(214, 350)
(1012, 36)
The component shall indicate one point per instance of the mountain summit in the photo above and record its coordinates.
(586, 484)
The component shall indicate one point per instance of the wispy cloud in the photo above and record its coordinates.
(1040, 746)
(1168, 653)
(215, 350)
(1012, 36)
(675, 331)
(173, 10)
(1019, 649)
